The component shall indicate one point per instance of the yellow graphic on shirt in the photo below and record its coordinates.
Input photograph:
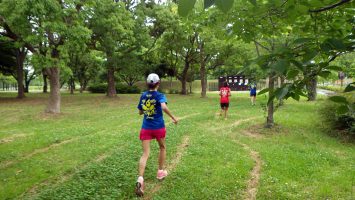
(148, 106)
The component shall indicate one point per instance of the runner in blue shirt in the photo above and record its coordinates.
(253, 94)
(152, 104)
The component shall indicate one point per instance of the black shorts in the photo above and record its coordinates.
(253, 95)
(224, 105)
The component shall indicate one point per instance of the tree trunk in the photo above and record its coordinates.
(111, 89)
(282, 81)
(20, 58)
(270, 106)
(184, 78)
(81, 89)
(312, 88)
(45, 84)
(72, 85)
(190, 84)
(54, 96)
(171, 82)
(85, 85)
(203, 73)
(27, 86)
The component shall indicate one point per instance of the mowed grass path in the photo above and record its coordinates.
(91, 150)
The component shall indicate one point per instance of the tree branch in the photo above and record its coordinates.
(330, 6)
(262, 46)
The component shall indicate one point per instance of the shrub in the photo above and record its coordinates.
(126, 89)
(120, 88)
(338, 125)
(98, 88)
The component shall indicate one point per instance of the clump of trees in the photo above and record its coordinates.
(122, 40)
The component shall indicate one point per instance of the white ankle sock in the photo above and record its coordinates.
(140, 179)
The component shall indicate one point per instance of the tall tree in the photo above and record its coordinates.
(112, 25)
(55, 24)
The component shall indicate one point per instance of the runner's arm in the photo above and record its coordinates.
(140, 112)
(165, 108)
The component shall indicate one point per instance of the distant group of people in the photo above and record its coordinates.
(225, 93)
(152, 104)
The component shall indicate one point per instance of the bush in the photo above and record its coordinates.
(338, 125)
(120, 88)
(126, 89)
(98, 88)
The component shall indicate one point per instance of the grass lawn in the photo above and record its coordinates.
(91, 151)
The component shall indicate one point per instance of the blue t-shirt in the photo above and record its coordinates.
(150, 104)
(253, 90)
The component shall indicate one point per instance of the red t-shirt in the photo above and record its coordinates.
(224, 92)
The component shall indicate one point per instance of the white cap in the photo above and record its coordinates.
(153, 78)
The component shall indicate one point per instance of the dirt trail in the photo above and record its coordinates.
(253, 182)
(170, 167)
(37, 151)
(9, 163)
(13, 137)
(236, 123)
(187, 116)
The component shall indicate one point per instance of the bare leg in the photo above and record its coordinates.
(162, 153)
(254, 99)
(144, 158)
(225, 113)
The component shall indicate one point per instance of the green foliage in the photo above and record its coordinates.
(338, 99)
(120, 88)
(185, 6)
(8, 64)
(340, 120)
(350, 87)
(224, 5)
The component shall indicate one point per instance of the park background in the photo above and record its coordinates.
(71, 72)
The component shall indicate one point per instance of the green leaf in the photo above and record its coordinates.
(350, 37)
(224, 5)
(336, 44)
(280, 93)
(185, 6)
(297, 64)
(263, 91)
(343, 109)
(324, 74)
(253, 2)
(302, 40)
(295, 96)
(325, 47)
(301, 9)
(292, 73)
(338, 99)
(334, 68)
(350, 87)
(309, 55)
(280, 65)
(208, 3)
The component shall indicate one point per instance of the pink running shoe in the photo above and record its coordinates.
(162, 174)
(139, 187)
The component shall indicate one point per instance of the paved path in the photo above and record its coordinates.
(325, 92)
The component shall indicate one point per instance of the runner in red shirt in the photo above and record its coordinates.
(225, 93)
